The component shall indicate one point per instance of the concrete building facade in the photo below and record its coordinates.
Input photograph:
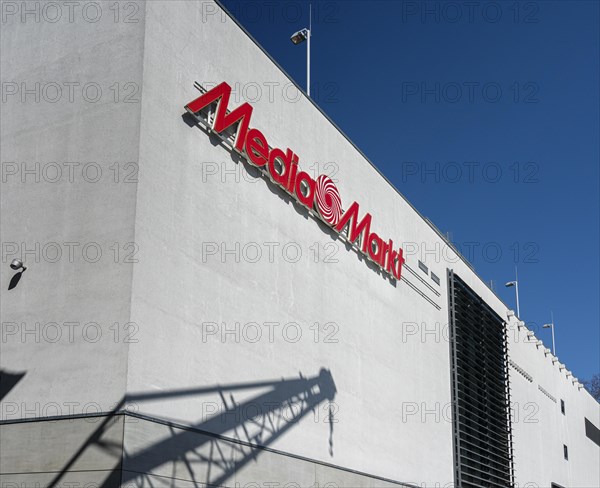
(183, 320)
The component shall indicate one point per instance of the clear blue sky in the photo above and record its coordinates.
(498, 86)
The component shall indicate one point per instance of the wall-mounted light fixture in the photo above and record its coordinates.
(17, 264)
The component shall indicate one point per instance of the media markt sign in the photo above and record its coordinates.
(320, 196)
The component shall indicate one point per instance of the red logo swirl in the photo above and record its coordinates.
(329, 202)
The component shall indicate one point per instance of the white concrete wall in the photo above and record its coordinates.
(541, 430)
(389, 354)
(379, 369)
(59, 221)
(374, 372)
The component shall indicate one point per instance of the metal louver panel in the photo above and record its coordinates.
(480, 391)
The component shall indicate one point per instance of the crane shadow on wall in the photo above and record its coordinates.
(212, 450)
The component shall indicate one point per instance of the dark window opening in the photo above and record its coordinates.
(592, 432)
(566, 452)
(562, 406)
(435, 278)
(423, 267)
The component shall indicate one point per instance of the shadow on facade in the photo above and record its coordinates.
(14, 281)
(213, 449)
(8, 381)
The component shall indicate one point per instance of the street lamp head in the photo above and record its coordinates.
(300, 36)
(510, 283)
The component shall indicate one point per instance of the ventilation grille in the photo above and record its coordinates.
(520, 370)
(545, 392)
(480, 391)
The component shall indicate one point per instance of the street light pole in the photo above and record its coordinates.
(301, 36)
(551, 326)
(516, 285)
(308, 49)
(517, 292)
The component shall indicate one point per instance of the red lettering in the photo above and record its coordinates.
(384, 252)
(395, 262)
(291, 178)
(257, 147)
(222, 119)
(375, 247)
(356, 230)
(285, 159)
(306, 192)
(292, 181)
